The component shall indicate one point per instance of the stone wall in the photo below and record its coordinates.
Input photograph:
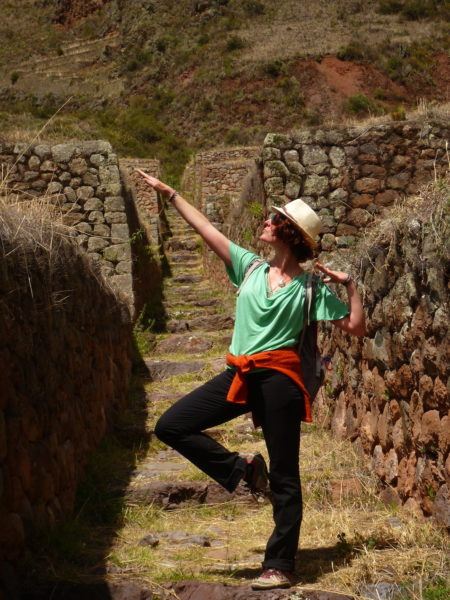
(213, 181)
(65, 365)
(83, 180)
(389, 391)
(350, 175)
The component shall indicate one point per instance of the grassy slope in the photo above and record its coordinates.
(225, 73)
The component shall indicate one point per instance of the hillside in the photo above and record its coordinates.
(165, 78)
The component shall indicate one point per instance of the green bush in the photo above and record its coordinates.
(14, 77)
(437, 591)
(360, 104)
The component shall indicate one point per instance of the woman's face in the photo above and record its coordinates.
(270, 228)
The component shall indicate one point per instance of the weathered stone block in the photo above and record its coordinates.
(386, 198)
(296, 168)
(275, 168)
(290, 156)
(62, 153)
(368, 185)
(360, 200)
(54, 187)
(274, 186)
(102, 230)
(293, 187)
(95, 244)
(398, 182)
(119, 232)
(315, 184)
(93, 204)
(278, 140)
(271, 154)
(90, 179)
(312, 155)
(42, 151)
(117, 253)
(96, 216)
(337, 157)
(78, 166)
(125, 266)
(114, 203)
(84, 192)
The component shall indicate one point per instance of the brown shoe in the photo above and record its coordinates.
(256, 476)
(271, 579)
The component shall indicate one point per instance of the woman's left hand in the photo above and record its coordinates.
(334, 276)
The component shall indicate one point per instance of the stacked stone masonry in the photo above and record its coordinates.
(83, 180)
(350, 175)
(65, 367)
(389, 391)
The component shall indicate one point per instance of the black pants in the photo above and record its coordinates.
(277, 402)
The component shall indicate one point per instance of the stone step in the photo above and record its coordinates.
(182, 244)
(158, 370)
(182, 257)
(186, 278)
(191, 344)
(203, 323)
(207, 302)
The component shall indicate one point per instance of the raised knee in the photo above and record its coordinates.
(163, 431)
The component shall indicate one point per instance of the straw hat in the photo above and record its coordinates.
(304, 218)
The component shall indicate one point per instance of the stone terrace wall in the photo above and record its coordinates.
(389, 391)
(213, 181)
(65, 365)
(83, 179)
(350, 175)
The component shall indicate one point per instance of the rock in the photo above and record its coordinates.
(337, 196)
(93, 591)
(274, 186)
(115, 217)
(386, 198)
(169, 495)
(42, 151)
(275, 168)
(337, 157)
(315, 184)
(78, 166)
(184, 343)
(313, 155)
(194, 590)
(62, 153)
(149, 540)
(186, 539)
(367, 185)
(390, 497)
(93, 204)
(278, 140)
(117, 253)
(114, 204)
(398, 182)
(211, 323)
(119, 233)
(95, 244)
(380, 591)
(162, 369)
(361, 200)
(85, 192)
(271, 154)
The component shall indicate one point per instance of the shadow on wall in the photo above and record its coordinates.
(73, 560)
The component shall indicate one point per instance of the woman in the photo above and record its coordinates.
(263, 373)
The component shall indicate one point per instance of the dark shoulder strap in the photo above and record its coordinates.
(311, 285)
(251, 267)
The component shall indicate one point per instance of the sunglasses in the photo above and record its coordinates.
(276, 218)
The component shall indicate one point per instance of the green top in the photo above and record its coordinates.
(269, 322)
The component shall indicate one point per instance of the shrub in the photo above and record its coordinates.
(235, 43)
(361, 104)
(353, 51)
(274, 68)
(398, 114)
(14, 77)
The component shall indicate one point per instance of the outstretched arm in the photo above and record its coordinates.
(215, 239)
(355, 323)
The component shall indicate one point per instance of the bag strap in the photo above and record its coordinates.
(311, 284)
(251, 267)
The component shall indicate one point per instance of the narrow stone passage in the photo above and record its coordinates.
(181, 525)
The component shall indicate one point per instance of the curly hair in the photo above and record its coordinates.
(292, 237)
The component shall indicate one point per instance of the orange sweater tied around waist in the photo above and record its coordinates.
(285, 360)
